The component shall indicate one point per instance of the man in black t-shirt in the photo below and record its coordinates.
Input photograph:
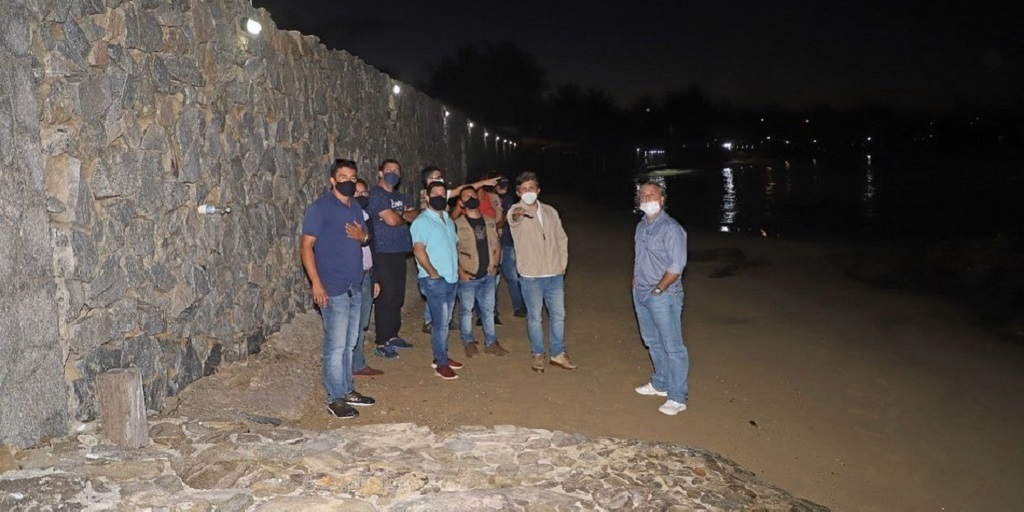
(479, 256)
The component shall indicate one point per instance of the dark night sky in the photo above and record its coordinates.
(846, 53)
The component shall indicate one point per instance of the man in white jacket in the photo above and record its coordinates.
(542, 250)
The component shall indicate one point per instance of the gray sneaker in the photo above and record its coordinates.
(649, 390)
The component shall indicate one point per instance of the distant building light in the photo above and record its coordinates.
(252, 26)
(806, 121)
(470, 125)
(727, 146)
(869, 138)
(762, 119)
(395, 89)
(486, 134)
(446, 113)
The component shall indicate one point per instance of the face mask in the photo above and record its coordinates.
(435, 180)
(346, 188)
(391, 178)
(471, 203)
(363, 201)
(437, 203)
(651, 208)
(529, 197)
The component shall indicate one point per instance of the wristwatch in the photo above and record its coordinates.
(657, 291)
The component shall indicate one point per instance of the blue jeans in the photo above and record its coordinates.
(426, 309)
(538, 293)
(661, 328)
(477, 291)
(511, 275)
(341, 328)
(440, 300)
(358, 357)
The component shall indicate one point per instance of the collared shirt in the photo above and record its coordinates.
(388, 239)
(437, 234)
(659, 247)
(338, 258)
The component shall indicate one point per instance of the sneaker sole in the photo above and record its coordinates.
(446, 378)
(459, 367)
(655, 393)
(353, 404)
(356, 415)
(552, 363)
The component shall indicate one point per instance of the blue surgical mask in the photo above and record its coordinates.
(392, 178)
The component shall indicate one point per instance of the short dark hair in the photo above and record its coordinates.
(360, 181)
(388, 161)
(341, 162)
(427, 170)
(432, 186)
(526, 176)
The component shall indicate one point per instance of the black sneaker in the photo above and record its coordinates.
(497, 321)
(341, 409)
(385, 352)
(399, 343)
(354, 398)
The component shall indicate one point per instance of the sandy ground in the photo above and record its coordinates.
(851, 396)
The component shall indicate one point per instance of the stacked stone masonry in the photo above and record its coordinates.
(117, 119)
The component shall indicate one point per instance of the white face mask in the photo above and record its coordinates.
(529, 197)
(651, 208)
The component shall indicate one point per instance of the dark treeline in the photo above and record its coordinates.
(583, 130)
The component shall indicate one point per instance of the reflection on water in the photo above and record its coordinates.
(728, 201)
(869, 190)
(852, 198)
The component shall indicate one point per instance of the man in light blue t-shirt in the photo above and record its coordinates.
(434, 246)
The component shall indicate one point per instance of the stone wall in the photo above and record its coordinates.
(32, 394)
(127, 115)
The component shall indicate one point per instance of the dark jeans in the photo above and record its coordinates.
(390, 268)
(511, 275)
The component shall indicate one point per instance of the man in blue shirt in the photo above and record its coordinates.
(390, 212)
(434, 246)
(331, 247)
(660, 257)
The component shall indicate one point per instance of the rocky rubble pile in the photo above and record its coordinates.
(232, 466)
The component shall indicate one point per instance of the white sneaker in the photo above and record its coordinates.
(648, 390)
(671, 407)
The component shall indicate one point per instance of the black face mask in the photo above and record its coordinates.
(363, 201)
(471, 203)
(437, 203)
(346, 188)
